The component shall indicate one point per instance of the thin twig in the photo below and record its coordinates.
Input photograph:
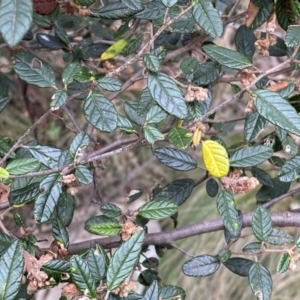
(182, 250)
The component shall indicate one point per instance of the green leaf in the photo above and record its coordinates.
(56, 268)
(207, 17)
(295, 5)
(152, 292)
(145, 103)
(60, 233)
(252, 247)
(3, 102)
(19, 196)
(250, 156)
(11, 271)
(277, 110)
(262, 176)
(166, 93)
(80, 140)
(124, 259)
(177, 191)
(244, 41)
(159, 209)
(47, 156)
(147, 277)
(175, 159)
(46, 201)
(110, 84)
(131, 110)
(84, 76)
(59, 98)
(265, 9)
(33, 70)
(3, 173)
(125, 124)
(151, 62)
(224, 255)
(61, 33)
(289, 146)
(111, 210)
(284, 263)
(228, 212)
(169, 3)
(261, 223)
(133, 4)
(212, 187)
(260, 281)
(189, 65)
(85, 2)
(292, 37)
(15, 20)
(239, 266)
(82, 276)
(69, 71)
(180, 137)
(155, 115)
(97, 263)
(200, 266)
(152, 134)
(5, 242)
(153, 10)
(115, 11)
(83, 174)
(133, 45)
(279, 49)
(169, 292)
(100, 112)
(207, 73)
(284, 13)
(103, 225)
(227, 57)
(49, 41)
(20, 166)
(279, 237)
(150, 262)
(65, 208)
(290, 171)
(254, 124)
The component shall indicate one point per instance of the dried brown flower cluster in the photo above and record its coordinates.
(70, 290)
(195, 93)
(247, 76)
(250, 108)
(71, 8)
(72, 183)
(109, 65)
(262, 45)
(294, 258)
(128, 229)
(125, 288)
(37, 278)
(4, 192)
(238, 184)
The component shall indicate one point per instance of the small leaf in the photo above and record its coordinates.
(169, 292)
(61, 33)
(150, 262)
(228, 212)
(261, 223)
(239, 266)
(152, 10)
(284, 13)
(59, 98)
(158, 209)
(227, 57)
(114, 49)
(207, 17)
(180, 137)
(189, 65)
(152, 292)
(155, 115)
(265, 9)
(215, 158)
(110, 84)
(80, 140)
(103, 225)
(56, 268)
(284, 263)
(207, 73)
(252, 247)
(5, 242)
(20, 166)
(97, 264)
(277, 110)
(166, 93)
(254, 124)
(60, 233)
(147, 277)
(152, 134)
(151, 62)
(124, 259)
(110, 210)
(290, 171)
(212, 187)
(11, 271)
(83, 174)
(100, 112)
(49, 41)
(279, 237)
(115, 11)
(3, 173)
(169, 3)
(175, 159)
(133, 45)
(262, 176)
(224, 255)
(244, 41)
(65, 208)
(177, 191)
(250, 156)
(82, 276)
(3, 102)
(69, 71)
(200, 266)
(125, 124)
(260, 281)
(15, 20)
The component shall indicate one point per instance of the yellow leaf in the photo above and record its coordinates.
(3, 173)
(114, 49)
(215, 158)
(197, 137)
